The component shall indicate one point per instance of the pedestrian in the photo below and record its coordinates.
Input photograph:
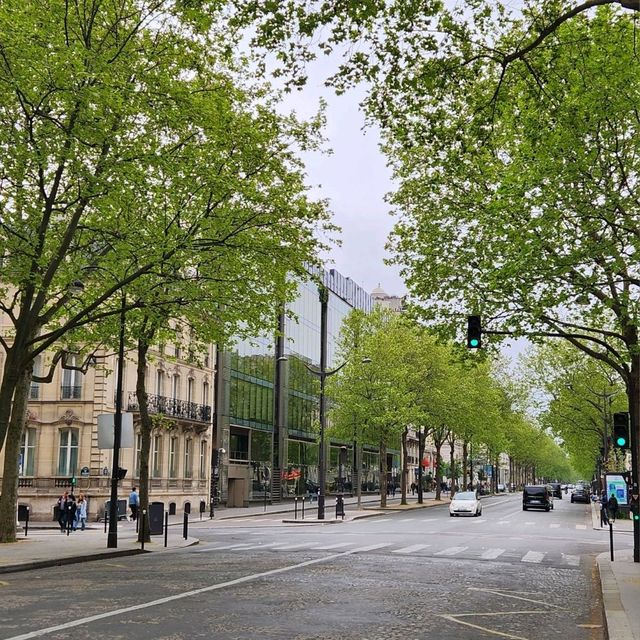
(81, 513)
(613, 507)
(393, 489)
(70, 509)
(413, 488)
(604, 505)
(134, 504)
(62, 511)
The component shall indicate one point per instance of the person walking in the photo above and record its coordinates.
(81, 513)
(134, 504)
(62, 511)
(604, 514)
(613, 506)
(70, 508)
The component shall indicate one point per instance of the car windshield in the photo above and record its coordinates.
(465, 495)
(535, 490)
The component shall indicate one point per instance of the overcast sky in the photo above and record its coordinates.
(354, 179)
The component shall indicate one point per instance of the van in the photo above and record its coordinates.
(537, 497)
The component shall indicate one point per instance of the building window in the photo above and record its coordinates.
(178, 351)
(136, 470)
(28, 452)
(159, 383)
(205, 393)
(157, 457)
(173, 461)
(71, 380)
(34, 392)
(187, 458)
(203, 459)
(175, 387)
(190, 390)
(68, 452)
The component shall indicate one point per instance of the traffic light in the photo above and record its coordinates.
(474, 332)
(72, 481)
(621, 430)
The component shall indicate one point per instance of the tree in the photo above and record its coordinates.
(127, 148)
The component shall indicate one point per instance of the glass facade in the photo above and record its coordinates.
(251, 395)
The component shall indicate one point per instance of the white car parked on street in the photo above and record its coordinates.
(465, 503)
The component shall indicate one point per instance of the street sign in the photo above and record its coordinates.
(84, 472)
(616, 485)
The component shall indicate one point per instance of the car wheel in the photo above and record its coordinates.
(475, 515)
(524, 508)
(451, 515)
(547, 509)
(571, 500)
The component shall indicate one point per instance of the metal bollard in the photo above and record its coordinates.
(340, 507)
(611, 538)
(26, 524)
(185, 525)
(144, 527)
(106, 520)
(295, 508)
(166, 527)
(303, 507)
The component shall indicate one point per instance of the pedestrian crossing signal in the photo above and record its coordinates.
(474, 332)
(621, 430)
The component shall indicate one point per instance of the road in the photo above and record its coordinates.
(407, 575)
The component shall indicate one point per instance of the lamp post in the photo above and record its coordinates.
(112, 536)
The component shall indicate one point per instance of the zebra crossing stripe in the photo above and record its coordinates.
(257, 546)
(492, 554)
(407, 520)
(581, 526)
(554, 526)
(572, 561)
(411, 549)
(450, 551)
(226, 546)
(372, 547)
(533, 556)
(299, 545)
(327, 547)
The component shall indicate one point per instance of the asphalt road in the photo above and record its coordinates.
(408, 575)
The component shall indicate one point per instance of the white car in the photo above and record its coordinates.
(465, 503)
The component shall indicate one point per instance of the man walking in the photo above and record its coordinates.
(134, 503)
(604, 505)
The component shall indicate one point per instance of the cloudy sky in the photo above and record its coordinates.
(355, 179)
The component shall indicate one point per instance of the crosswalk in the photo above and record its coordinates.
(423, 549)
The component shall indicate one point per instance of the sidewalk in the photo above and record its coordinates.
(620, 581)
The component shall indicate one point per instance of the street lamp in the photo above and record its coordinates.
(216, 459)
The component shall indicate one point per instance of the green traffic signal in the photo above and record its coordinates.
(621, 441)
(474, 342)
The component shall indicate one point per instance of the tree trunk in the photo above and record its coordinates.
(405, 470)
(452, 466)
(633, 393)
(438, 445)
(421, 447)
(9, 496)
(465, 460)
(145, 432)
(383, 475)
(7, 390)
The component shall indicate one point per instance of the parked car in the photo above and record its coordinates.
(465, 503)
(580, 494)
(556, 490)
(537, 497)
(502, 488)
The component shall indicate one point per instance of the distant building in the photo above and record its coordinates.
(383, 299)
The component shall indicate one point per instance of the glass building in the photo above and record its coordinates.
(267, 399)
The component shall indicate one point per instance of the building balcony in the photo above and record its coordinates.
(172, 407)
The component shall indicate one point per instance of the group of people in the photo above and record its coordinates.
(608, 508)
(72, 513)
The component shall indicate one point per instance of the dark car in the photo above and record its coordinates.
(580, 494)
(556, 490)
(537, 497)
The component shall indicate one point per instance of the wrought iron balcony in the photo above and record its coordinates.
(172, 407)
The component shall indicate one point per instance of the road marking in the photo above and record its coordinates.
(476, 626)
(226, 546)
(504, 522)
(529, 523)
(554, 526)
(533, 556)
(371, 547)
(450, 551)
(257, 546)
(412, 548)
(581, 526)
(572, 561)
(479, 520)
(506, 594)
(299, 545)
(381, 520)
(335, 546)
(186, 594)
(492, 554)
(407, 520)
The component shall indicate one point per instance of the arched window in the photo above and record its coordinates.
(68, 452)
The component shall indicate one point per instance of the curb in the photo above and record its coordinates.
(616, 620)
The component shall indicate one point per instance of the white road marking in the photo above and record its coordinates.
(529, 523)
(554, 526)
(257, 546)
(450, 551)
(479, 520)
(226, 546)
(299, 545)
(69, 624)
(371, 547)
(477, 626)
(412, 548)
(572, 561)
(335, 546)
(492, 554)
(381, 520)
(581, 526)
(506, 594)
(407, 520)
(533, 556)
(504, 522)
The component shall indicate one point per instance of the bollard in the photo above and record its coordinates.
(265, 497)
(295, 508)
(144, 527)
(611, 538)
(166, 527)
(106, 519)
(137, 520)
(26, 524)
(340, 507)
(185, 525)
(68, 520)
(303, 507)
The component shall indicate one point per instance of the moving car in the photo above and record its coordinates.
(580, 494)
(537, 497)
(556, 490)
(465, 503)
